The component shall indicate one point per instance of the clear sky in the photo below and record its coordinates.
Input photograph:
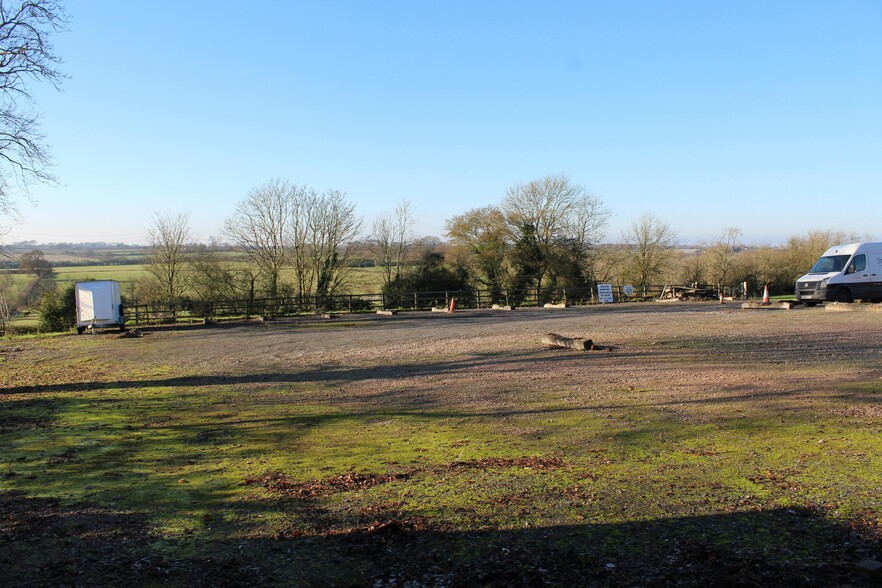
(761, 115)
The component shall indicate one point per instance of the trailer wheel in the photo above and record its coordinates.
(844, 295)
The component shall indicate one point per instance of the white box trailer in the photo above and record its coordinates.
(99, 304)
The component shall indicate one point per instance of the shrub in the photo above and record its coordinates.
(58, 311)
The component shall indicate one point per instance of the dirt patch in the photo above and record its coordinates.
(280, 483)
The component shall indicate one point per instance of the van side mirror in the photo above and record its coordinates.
(849, 269)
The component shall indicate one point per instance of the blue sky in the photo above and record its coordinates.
(765, 116)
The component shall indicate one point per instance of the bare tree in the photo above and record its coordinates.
(803, 251)
(332, 228)
(721, 255)
(691, 268)
(260, 226)
(169, 240)
(298, 240)
(607, 262)
(26, 54)
(212, 278)
(8, 301)
(651, 240)
(584, 229)
(552, 212)
(391, 240)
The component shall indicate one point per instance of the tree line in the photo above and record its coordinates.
(278, 226)
(544, 235)
(288, 240)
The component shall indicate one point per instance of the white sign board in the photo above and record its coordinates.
(604, 293)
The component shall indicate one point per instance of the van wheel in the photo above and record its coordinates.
(80, 330)
(844, 295)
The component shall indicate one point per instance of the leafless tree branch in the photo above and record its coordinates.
(26, 55)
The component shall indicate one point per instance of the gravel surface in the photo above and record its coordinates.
(684, 352)
(687, 363)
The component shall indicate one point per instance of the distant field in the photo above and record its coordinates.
(79, 255)
(365, 280)
(121, 273)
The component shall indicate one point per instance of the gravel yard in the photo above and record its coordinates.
(700, 442)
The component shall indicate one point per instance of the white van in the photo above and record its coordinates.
(844, 273)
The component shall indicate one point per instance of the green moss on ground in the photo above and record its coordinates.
(622, 469)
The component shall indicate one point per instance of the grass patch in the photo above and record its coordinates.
(312, 481)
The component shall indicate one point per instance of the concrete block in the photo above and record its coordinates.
(770, 306)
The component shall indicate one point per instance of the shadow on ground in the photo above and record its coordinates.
(45, 543)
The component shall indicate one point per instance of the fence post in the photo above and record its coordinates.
(477, 299)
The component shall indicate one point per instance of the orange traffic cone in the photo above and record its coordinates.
(452, 306)
(766, 295)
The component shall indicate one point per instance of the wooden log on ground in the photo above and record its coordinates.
(501, 307)
(553, 305)
(440, 309)
(577, 343)
(386, 312)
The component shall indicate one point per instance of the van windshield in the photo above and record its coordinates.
(834, 263)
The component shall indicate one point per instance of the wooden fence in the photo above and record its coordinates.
(192, 310)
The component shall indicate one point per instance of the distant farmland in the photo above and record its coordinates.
(125, 274)
(364, 280)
